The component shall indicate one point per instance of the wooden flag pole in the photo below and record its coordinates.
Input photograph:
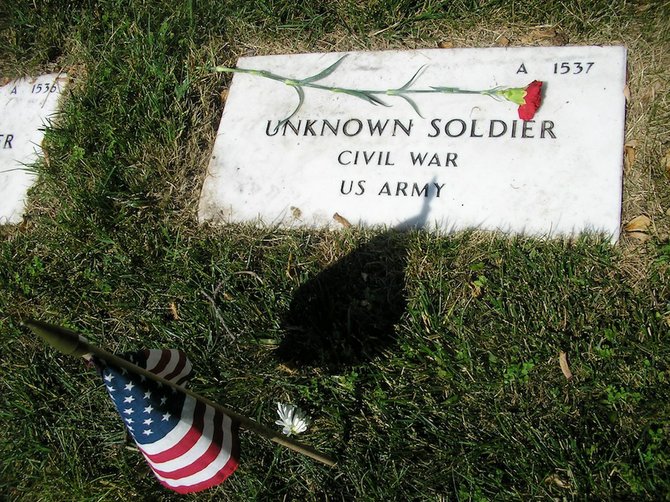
(72, 343)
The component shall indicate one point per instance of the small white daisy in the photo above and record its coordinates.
(292, 419)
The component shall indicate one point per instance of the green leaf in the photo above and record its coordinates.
(370, 98)
(324, 73)
(412, 104)
(413, 79)
(301, 100)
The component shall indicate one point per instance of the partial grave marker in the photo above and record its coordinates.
(26, 107)
(436, 160)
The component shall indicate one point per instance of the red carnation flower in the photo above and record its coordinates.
(531, 101)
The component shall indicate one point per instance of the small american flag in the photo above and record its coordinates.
(189, 445)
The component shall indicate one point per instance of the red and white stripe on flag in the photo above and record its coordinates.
(189, 445)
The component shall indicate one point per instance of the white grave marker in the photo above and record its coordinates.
(26, 106)
(436, 160)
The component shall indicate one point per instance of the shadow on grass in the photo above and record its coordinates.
(346, 314)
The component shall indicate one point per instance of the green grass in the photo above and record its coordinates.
(431, 367)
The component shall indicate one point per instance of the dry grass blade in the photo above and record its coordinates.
(174, 311)
(556, 480)
(563, 362)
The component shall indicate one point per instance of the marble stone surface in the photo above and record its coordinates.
(466, 161)
(26, 107)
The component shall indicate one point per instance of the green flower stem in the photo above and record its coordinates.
(370, 95)
(397, 92)
(387, 92)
